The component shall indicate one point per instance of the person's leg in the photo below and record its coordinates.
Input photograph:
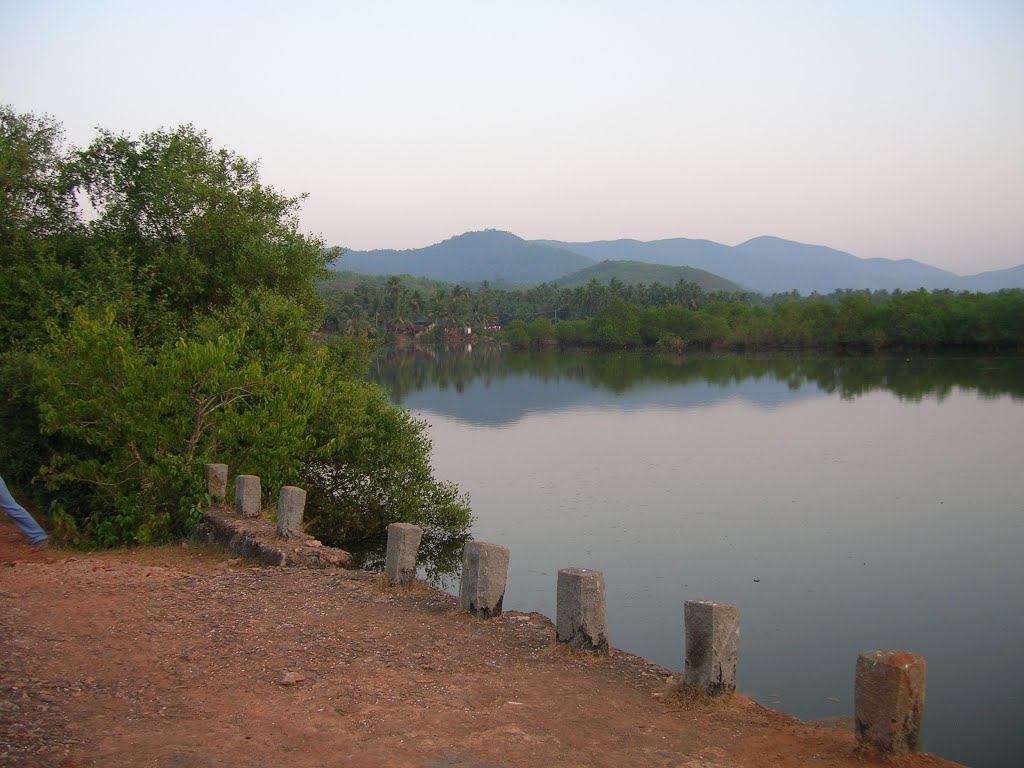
(26, 524)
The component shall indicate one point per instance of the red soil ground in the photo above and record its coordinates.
(181, 657)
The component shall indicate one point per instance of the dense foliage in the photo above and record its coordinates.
(363, 305)
(173, 327)
(617, 315)
(852, 321)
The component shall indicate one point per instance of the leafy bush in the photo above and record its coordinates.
(177, 332)
(516, 335)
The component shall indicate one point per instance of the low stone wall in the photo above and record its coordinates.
(257, 540)
(244, 533)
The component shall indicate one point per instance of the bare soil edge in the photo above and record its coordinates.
(183, 657)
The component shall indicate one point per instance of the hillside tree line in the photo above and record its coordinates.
(620, 315)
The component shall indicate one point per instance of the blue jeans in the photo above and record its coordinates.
(26, 524)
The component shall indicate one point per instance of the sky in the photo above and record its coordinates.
(889, 129)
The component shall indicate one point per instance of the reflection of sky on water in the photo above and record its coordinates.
(873, 523)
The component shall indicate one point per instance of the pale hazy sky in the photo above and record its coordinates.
(892, 129)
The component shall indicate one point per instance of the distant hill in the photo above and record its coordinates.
(677, 252)
(764, 264)
(988, 282)
(778, 265)
(633, 272)
(774, 265)
(471, 257)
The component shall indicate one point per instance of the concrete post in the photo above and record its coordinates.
(403, 545)
(582, 616)
(888, 700)
(247, 495)
(712, 646)
(290, 506)
(216, 481)
(484, 573)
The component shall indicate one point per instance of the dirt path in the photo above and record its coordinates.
(178, 658)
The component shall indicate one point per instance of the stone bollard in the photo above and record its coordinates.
(712, 646)
(216, 481)
(484, 573)
(247, 495)
(582, 616)
(290, 505)
(888, 700)
(403, 545)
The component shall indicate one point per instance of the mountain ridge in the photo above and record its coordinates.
(767, 264)
(472, 257)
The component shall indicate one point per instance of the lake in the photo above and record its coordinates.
(843, 504)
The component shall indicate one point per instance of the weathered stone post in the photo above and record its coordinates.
(290, 506)
(247, 495)
(403, 545)
(888, 700)
(712, 646)
(484, 573)
(216, 481)
(582, 615)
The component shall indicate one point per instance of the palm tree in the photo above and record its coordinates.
(457, 312)
(439, 306)
(358, 327)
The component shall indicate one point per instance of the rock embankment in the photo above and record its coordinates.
(256, 539)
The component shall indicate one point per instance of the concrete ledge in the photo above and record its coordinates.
(257, 540)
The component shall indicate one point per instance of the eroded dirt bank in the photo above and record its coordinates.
(181, 658)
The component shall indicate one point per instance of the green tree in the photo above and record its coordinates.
(196, 221)
(36, 191)
(517, 335)
(617, 325)
(572, 333)
(38, 222)
(178, 331)
(135, 424)
(540, 332)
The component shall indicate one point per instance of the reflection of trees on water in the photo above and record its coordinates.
(407, 371)
(402, 371)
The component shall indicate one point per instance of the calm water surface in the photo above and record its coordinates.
(843, 504)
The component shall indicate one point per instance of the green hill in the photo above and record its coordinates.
(634, 272)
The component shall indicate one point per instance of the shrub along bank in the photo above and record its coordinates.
(173, 327)
(916, 320)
